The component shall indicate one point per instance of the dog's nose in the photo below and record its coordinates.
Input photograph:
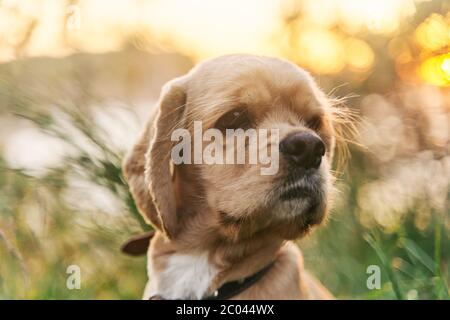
(304, 149)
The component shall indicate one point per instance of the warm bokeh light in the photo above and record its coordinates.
(321, 51)
(445, 66)
(436, 70)
(381, 17)
(359, 55)
(378, 16)
(434, 32)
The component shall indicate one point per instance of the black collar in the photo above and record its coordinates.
(232, 288)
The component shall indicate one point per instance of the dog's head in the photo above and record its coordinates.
(284, 193)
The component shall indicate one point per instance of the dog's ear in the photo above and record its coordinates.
(158, 174)
(138, 244)
(147, 166)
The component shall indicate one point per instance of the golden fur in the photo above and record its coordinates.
(230, 211)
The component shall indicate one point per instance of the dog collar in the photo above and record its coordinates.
(232, 288)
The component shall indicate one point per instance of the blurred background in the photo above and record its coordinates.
(77, 79)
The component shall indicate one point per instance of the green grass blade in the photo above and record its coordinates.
(385, 262)
(419, 254)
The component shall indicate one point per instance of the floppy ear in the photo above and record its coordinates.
(147, 166)
(138, 244)
(158, 177)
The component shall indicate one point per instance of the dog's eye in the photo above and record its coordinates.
(235, 119)
(315, 123)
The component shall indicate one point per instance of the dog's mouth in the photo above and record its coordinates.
(295, 191)
(308, 196)
(300, 184)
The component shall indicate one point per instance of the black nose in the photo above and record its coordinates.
(304, 149)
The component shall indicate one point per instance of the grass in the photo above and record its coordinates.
(42, 234)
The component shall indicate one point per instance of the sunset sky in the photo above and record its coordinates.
(203, 29)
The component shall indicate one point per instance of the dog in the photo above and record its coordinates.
(221, 226)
